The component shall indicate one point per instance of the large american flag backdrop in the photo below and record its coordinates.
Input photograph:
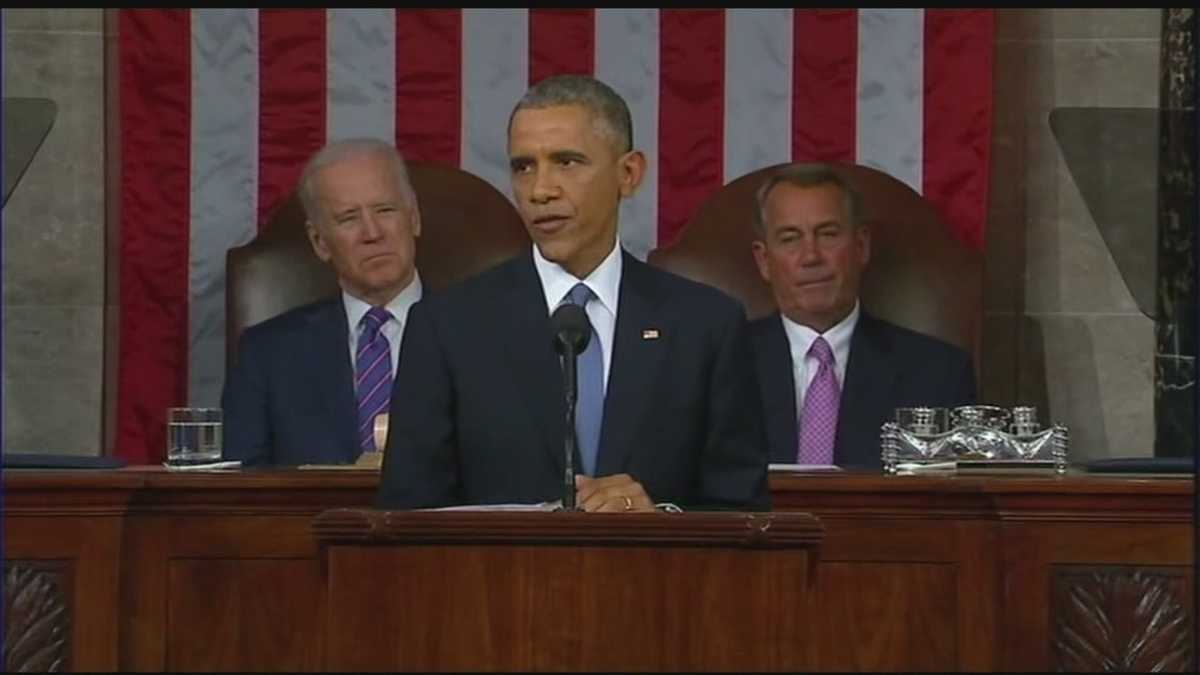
(220, 108)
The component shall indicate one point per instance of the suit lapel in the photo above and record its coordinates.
(870, 379)
(536, 371)
(330, 356)
(776, 376)
(635, 365)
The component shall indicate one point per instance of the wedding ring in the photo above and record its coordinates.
(628, 502)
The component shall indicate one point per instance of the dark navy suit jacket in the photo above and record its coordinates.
(290, 398)
(681, 414)
(889, 367)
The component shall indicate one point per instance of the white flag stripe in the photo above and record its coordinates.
(758, 89)
(211, 61)
(891, 68)
(495, 76)
(361, 100)
(224, 179)
(361, 71)
(627, 43)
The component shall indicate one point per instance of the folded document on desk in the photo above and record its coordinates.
(803, 467)
(543, 506)
(35, 460)
(926, 467)
(211, 466)
(337, 467)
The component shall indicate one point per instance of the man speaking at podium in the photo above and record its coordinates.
(668, 407)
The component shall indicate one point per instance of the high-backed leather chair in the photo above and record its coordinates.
(919, 275)
(466, 227)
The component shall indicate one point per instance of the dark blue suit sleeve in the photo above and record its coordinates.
(967, 386)
(247, 423)
(420, 464)
(956, 385)
(733, 466)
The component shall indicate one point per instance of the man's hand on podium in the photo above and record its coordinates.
(619, 492)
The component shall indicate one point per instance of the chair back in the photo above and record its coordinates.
(919, 276)
(467, 226)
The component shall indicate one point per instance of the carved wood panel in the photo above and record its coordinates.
(37, 617)
(1120, 618)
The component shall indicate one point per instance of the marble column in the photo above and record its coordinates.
(1175, 315)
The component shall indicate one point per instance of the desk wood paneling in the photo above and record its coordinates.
(161, 571)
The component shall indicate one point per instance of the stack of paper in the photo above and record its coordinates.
(803, 467)
(211, 466)
(543, 506)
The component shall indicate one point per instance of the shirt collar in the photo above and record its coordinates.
(801, 337)
(605, 280)
(399, 306)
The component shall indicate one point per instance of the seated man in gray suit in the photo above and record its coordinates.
(309, 383)
(830, 373)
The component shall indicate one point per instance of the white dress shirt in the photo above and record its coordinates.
(393, 329)
(605, 283)
(804, 366)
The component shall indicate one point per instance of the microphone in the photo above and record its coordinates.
(572, 331)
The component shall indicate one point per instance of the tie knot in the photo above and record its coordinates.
(581, 294)
(375, 318)
(821, 351)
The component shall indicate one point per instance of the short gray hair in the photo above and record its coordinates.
(337, 151)
(605, 104)
(807, 175)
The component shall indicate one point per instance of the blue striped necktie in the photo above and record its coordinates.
(372, 374)
(589, 406)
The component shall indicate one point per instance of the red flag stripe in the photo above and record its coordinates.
(958, 118)
(561, 41)
(429, 84)
(691, 113)
(824, 85)
(155, 72)
(291, 100)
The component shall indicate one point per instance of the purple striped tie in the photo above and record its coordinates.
(373, 374)
(819, 417)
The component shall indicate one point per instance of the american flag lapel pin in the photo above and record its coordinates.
(650, 334)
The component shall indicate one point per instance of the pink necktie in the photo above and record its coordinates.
(819, 416)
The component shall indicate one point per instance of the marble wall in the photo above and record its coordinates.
(1175, 312)
(1063, 331)
(53, 245)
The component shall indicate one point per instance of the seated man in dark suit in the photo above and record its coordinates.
(832, 374)
(667, 411)
(309, 383)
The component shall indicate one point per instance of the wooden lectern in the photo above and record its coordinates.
(504, 590)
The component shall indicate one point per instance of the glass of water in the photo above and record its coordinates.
(193, 436)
